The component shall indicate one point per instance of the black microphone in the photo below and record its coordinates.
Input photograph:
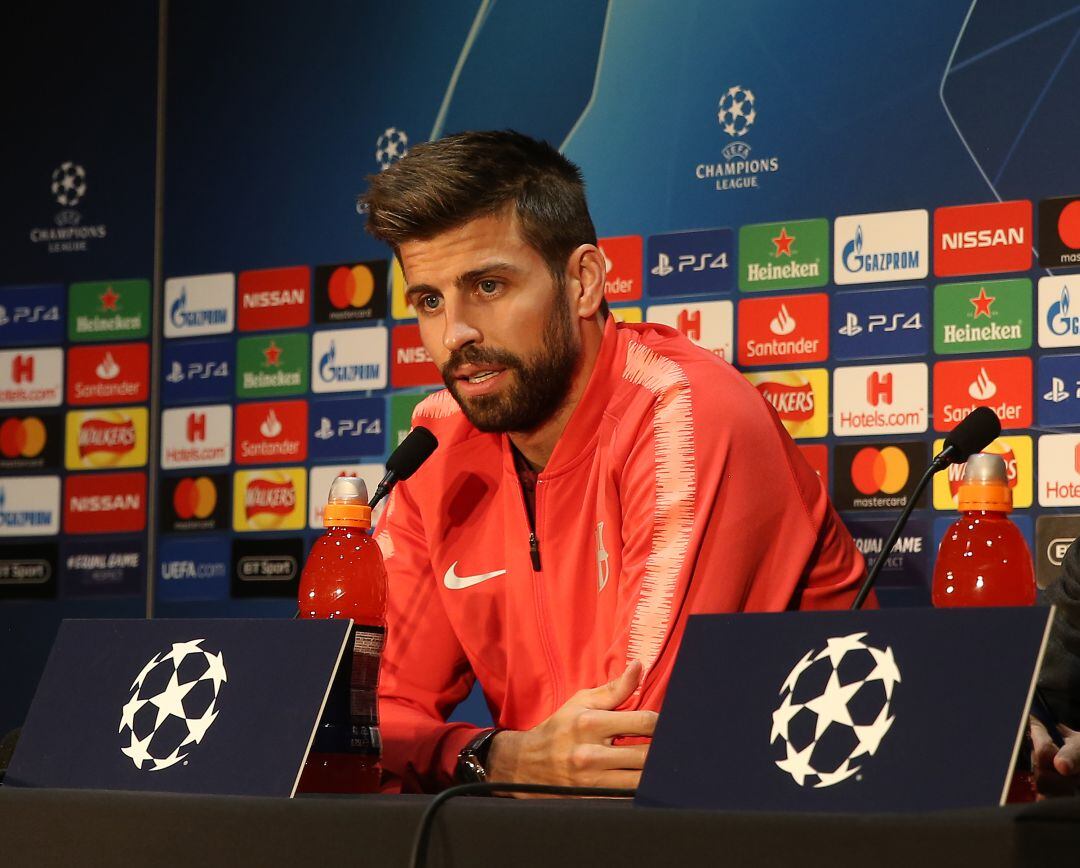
(404, 461)
(975, 432)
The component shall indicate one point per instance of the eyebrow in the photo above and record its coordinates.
(463, 280)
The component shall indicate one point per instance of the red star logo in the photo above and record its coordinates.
(108, 299)
(273, 354)
(783, 242)
(982, 303)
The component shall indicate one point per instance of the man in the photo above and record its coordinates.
(594, 485)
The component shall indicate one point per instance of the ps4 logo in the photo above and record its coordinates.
(25, 314)
(1058, 392)
(688, 262)
(180, 373)
(347, 428)
(881, 322)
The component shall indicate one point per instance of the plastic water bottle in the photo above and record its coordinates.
(344, 577)
(983, 559)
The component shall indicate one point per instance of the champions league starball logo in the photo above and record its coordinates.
(68, 184)
(391, 146)
(736, 113)
(835, 709)
(173, 703)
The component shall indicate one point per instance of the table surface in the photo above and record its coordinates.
(88, 828)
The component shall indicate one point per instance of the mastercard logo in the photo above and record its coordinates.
(351, 286)
(22, 438)
(1069, 225)
(194, 498)
(880, 470)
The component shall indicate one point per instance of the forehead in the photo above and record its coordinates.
(483, 240)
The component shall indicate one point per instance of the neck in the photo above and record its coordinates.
(537, 445)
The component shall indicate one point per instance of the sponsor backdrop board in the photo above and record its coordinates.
(879, 253)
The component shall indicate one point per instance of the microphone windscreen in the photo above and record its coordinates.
(413, 451)
(977, 431)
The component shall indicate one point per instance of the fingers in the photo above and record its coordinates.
(595, 725)
(1067, 759)
(1043, 748)
(614, 693)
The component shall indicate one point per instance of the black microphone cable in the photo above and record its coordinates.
(418, 859)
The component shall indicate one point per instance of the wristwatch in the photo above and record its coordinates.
(472, 761)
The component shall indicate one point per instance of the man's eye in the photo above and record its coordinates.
(430, 302)
(487, 287)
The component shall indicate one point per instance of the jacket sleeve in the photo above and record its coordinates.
(738, 521)
(1059, 680)
(424, 672)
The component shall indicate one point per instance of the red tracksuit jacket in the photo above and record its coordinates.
(673, 490)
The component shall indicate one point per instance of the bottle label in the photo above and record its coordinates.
(367, 646)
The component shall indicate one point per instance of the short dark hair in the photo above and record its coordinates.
(445, 183)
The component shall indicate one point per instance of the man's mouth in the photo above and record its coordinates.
(473, 374)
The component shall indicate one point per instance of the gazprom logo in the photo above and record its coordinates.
(182, 318)
(329, 372)
(855, 261)
(1057, 318)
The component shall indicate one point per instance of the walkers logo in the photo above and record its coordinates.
(880, 399)
(103, 567)
(109, 310)
(268, 367)
(29, 505)
(70, 235)
(410, 363)
(105, 503)
(199, 305)
(982, 317)
(909, 563)
(401, 411)
(193, 568)
(817, 456)
(32, 378)
(195, 502)
(266, 500)
(1059, 390)
(788, 255)
(709, 324)
(347, 427)
(623, 261)
(627, 314)
(28, 570)
(800, 398)
(106, 438)
(1003, 385)
(982, 239)
(890, 245)
(198, 370)
(1059, 311)
(267, 567)
(1054, 534)
(271, 433)
(1059, 470)
(1019, 460)
(1059, 232)
(111, 373)
(274, 298)
(30, 442)
(878, 477)
(31, 314)
(737, 111)
(323, 477)
(784, 329)
(349, 360)
(880, 323)
(196, 437)
(690, 263)
(400, 308)
(350, 292)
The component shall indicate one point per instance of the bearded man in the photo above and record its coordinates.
(595, 484)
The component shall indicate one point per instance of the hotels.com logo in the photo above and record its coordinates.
(1003, 385)
(689, 324)
(22, 369)
(880, 399)
(879, 388)
(196, 436)
(982, 239)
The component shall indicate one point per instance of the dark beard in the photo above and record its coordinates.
(538, 386)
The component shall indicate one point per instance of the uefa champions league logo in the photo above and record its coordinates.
(68, 184)
(835, 708)
(173, 703)
(391, 146)
(737, 113)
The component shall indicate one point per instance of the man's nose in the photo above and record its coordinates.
(458, 330)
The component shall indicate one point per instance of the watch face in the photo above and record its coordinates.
(472, 770)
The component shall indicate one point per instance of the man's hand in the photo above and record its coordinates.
(573, 747)
(1056, 770)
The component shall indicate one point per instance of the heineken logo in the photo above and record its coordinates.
(103, 310)
(983, 317)
(788, 255)
(272, 366)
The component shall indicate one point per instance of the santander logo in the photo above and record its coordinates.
(783, 323)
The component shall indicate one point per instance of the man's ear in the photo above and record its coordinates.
(586, 273)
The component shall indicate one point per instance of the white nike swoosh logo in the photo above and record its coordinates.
(456, 583)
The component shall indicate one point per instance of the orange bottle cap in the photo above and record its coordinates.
(986, 484)
(348, 504)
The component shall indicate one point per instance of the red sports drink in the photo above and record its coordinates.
(344, 577)
(983, 559)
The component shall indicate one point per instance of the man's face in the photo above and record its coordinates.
(494, 321)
